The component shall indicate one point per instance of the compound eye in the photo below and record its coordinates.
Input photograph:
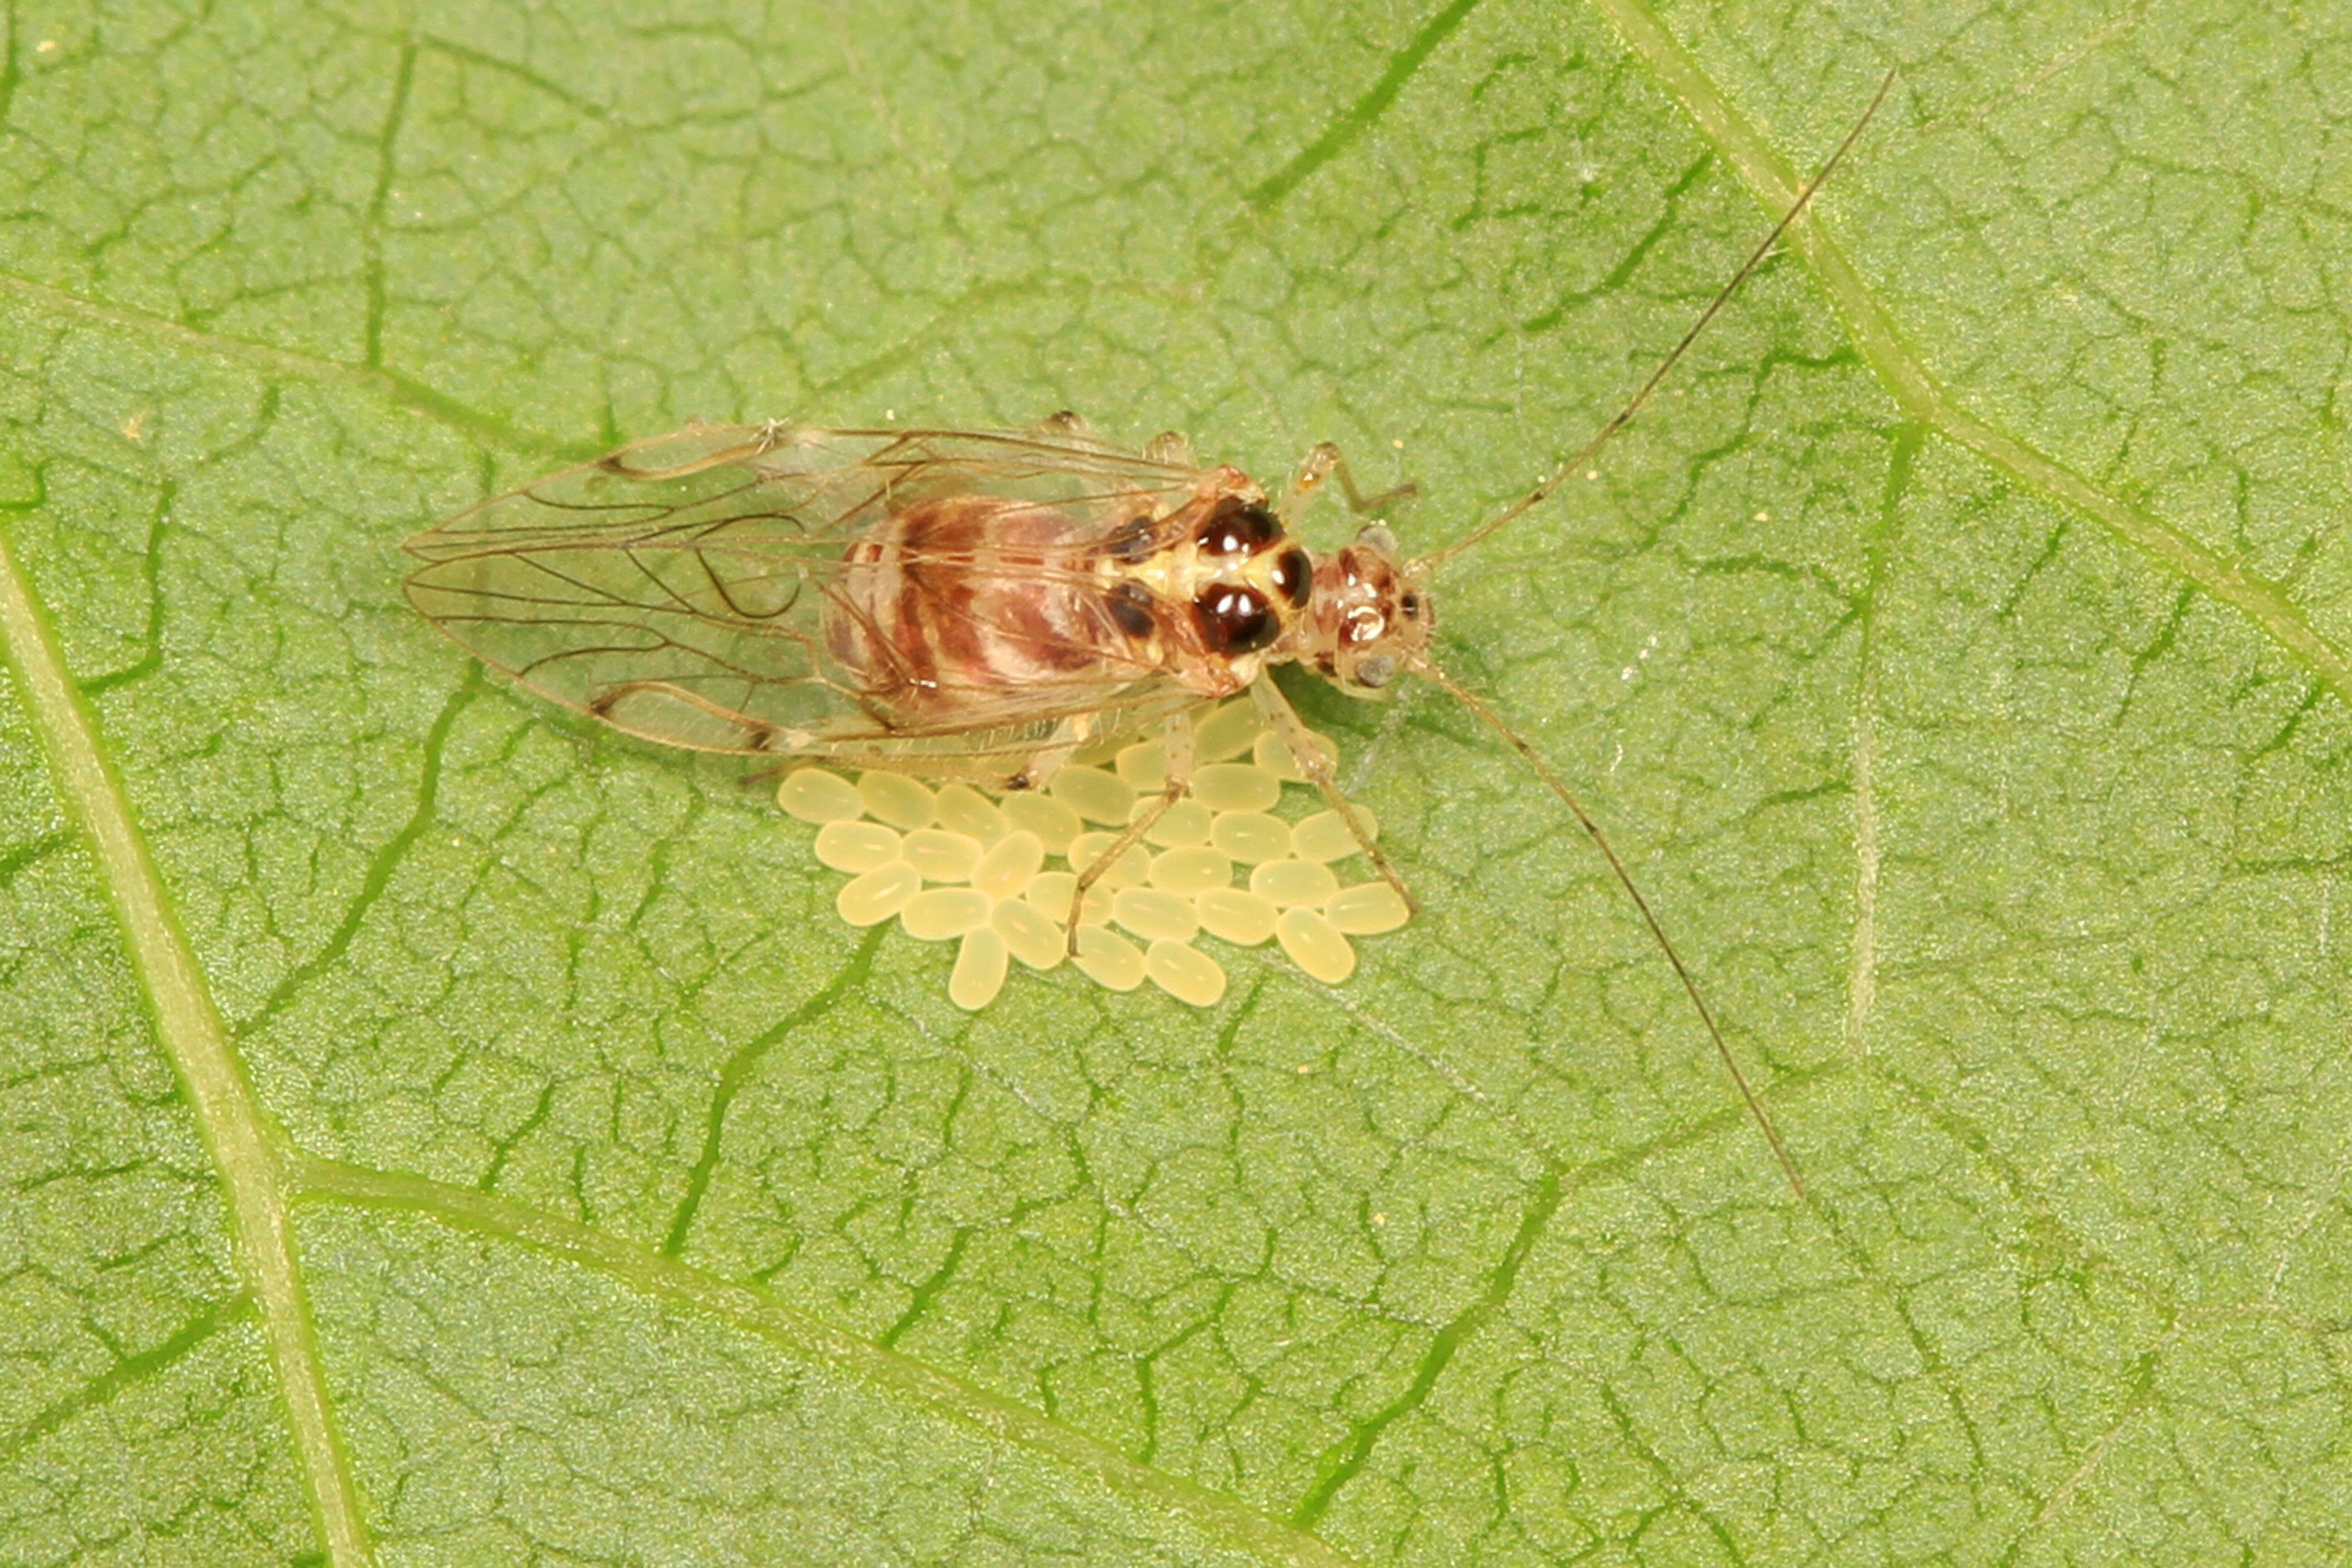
(1410, 605)
(1237, 528)
(1234, 620)
(1293, 575)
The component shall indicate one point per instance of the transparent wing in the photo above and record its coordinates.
(676, 588)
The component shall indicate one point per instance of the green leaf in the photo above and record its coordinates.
(443, 1132)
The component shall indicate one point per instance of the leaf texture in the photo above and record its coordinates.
(441, 1133)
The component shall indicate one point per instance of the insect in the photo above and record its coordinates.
(967, 605)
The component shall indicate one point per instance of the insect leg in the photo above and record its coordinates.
(1039, 771)
(1325, 463)
(1171, 447)
(1285, 722)
(1176, 749)
(1065, 424)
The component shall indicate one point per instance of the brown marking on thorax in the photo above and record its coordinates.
(966, 594)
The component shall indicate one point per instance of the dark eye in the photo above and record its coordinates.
(1131, 609)
(1293, 575)
(1237, 528)
(1410, 605)
(1234, 620)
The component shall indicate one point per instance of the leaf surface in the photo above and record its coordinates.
(444, 1132)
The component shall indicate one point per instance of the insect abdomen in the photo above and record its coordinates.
(972, 592)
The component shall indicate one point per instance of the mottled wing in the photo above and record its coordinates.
(675, 589)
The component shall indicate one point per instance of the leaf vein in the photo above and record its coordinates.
(189, 1027)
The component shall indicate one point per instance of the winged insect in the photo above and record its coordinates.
(978, 608)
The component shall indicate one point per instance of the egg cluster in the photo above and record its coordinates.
(996, 875)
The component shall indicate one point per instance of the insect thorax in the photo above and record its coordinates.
(1243, 594)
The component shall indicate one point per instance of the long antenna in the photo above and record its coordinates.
(1544, 770)
(1624, 415)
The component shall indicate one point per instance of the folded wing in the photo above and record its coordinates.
(675, 589)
